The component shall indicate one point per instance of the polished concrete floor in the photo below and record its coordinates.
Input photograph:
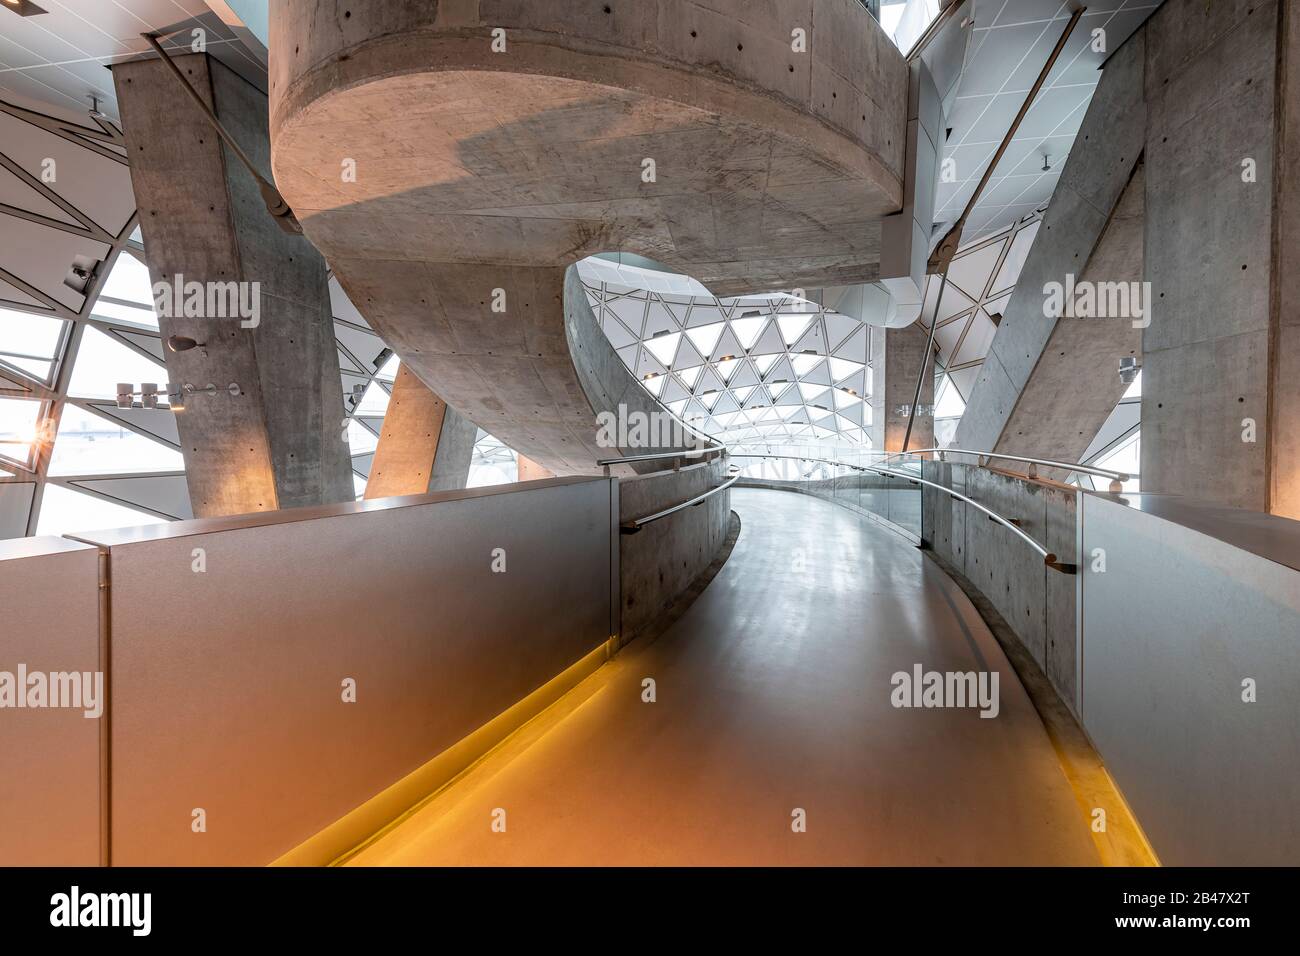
(772, 697)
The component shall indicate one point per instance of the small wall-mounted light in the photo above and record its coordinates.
(183, 343)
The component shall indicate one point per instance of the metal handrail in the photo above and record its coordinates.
(1114, 476)
(692, 453)
(275, 203)
(636, 524)
(1049, 558)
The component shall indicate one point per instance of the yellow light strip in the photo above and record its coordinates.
(351, 833)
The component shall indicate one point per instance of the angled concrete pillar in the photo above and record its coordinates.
(424, 445)
(278, 442)
(896, 357)
(1049, 382)
(1075, 384)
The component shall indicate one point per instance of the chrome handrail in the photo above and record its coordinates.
(1114, 476)
(636, 524)
(691, 453)
(1049, 558)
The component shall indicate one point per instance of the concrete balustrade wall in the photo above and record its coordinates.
(1191, 657)
(1037, 602)
(661, 561)
(50, 775)
(236, 642)
(232, 644)
(891, 501)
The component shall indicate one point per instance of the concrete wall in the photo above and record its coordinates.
(482, 172)
(1037, 602)
(1284, 429)
(277, 443)
(1211, 90)
(50, 784)
(1193, 601)
(659, 562)
(896, 359)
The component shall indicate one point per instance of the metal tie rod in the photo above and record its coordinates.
(275, 204)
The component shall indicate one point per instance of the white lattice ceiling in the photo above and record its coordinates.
(747, 369)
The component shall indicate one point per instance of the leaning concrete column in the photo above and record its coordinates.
(425, 444)
(1050, 380)
(896, 357)
(279, 441)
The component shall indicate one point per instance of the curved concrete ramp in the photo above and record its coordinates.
(450, 160)
(773, 693)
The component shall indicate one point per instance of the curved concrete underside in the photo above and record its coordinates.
(480, 174)
(773, 691)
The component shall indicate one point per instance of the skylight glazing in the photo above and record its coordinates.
(765, 368)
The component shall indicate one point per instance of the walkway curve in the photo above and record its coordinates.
(773, 694)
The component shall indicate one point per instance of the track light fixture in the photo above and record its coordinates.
(176, 394)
